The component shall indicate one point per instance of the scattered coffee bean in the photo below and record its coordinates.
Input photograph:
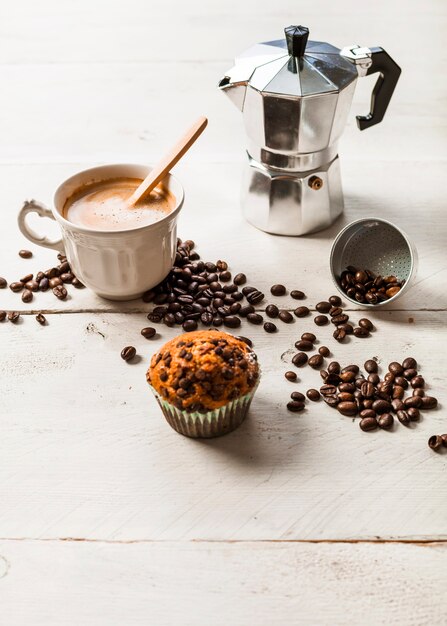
(128, 353)
(371, 366)
(348, 409)
(60, 292)
(272, 311)
(361, 332)
(386, 421)
(308, 337)
(300, 359)
(255, 318)
(428, 402)
(413, 401)
(189, 326)
(27, 295)
(277, 290)
(291, 376)
(2, 315)
(368, 423)
(240, 279)
(403, 417)
(25, 254)
(255, 297)
(313, 394)
(321, 320)
(225, 276)
(366, 323)
(339, 319)
(16, 286)
(323, 307)
(302, 311)
(270, 327)
(295, 406)
(246, 309)
(335, 311)
(54, 282)
(232, 321)
(297, 295)
(3, 283)
(417, 381)
(324, 351)
(409, 363)
(40, 317)
(368, 413)
(348, 328)
(413, 413)
(339, 334)
(304, 344)
(335, 300)
(13, 316)
(148, 332)
(435, 442)
(316, 361)
(286, 317)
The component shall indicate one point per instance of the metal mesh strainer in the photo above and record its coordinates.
(377, 245)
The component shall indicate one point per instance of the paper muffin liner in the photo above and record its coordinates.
(210, 424)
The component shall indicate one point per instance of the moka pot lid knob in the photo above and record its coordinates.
(296, 37)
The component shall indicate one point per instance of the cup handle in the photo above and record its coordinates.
(31, 206)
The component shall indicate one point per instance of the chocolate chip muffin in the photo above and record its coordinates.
(204, 382)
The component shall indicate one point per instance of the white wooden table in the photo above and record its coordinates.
(107, 516)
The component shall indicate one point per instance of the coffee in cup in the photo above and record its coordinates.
(102, 205)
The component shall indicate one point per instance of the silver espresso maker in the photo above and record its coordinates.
(295, 97)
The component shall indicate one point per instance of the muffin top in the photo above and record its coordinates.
(203, 370)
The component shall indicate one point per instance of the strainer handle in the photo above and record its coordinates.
(383, 89)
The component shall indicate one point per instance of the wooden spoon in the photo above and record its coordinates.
(169, 160)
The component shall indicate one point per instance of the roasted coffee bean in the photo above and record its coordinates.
(255, 318)
(297, 295)
(291, 376)
(246, 309)
(444, 440)
(206, 318)
(392, 291)
(51, 273)
(335, 310)
(369, 413)
(344, 396)
(351, 368)
(16, 286)
(255, 297)
(148, 332)
(220, 265)
(232, 321)
(367, 390)
(240, 279)
(368, 423)
(435, 442)
(277, 290)
(348, 328)
(374, 378)
(245, 340)
(189, 326)
(361, 332)
(128, 353)
(328, 390)
(414, 401)
(54, 282)
(77, 283)
(418, 392)
(400, 381)
(410, 373)
(339, 334)
(321, 320)
(297, 395)
(60, 292)
(313, 395)
(302, 311)
(217, 320)
(366, 323)
(26, 278)
(428, 402)
(235, 308)
(396, 368)
(40, 317)
(413, 413)
(335, 300)
(409, 363)
(300, 359)
(308, 337)
(248, 289)
(225, 276)
(67, 277)
(44, 284)
(14, 317)
(331, 400)
(397, 405)
(295, 406)
(347, 387)
(347, 377)
(334, 367)
(347, 408)
(403, 417)
(25, 254)
(272, 311)
(316, 361)
(386, 421)
(304, 345)
(371, 366)
(2, 315)
(323, 307)
(3, 283)
(324, 351)
(339, 319)
(148, 296)
(64, 267)
(381, 406)
(398, 392)
(286, 317)
(32, 285)
(270, 327)
(27, 295)
(417, 382)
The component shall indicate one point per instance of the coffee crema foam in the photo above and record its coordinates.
(102, 205)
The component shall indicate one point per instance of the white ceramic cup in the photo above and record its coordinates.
(118, 265)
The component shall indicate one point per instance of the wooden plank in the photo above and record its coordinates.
(87, 453)
(198, 584)
(212, 217)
